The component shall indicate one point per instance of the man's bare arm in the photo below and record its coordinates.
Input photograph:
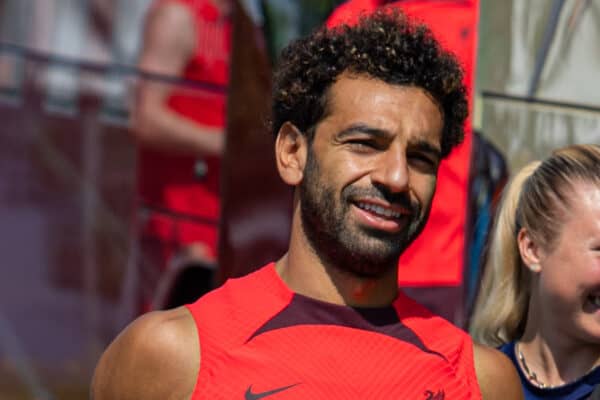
(169, 41)
(496, 374)
(156, 357)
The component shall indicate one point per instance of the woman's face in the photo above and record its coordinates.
(569, 280)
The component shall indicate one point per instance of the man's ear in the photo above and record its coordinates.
(290, 153)
(530, 250)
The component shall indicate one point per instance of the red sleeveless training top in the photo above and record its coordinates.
(260, 340)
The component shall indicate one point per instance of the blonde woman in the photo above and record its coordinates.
(540, 296)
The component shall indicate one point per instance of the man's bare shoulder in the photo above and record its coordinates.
(156, 357)
(496, 374)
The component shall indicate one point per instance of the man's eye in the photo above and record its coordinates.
(423, 161)
(362, 144)
(421, 158)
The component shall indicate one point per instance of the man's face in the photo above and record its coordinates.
(370, 174)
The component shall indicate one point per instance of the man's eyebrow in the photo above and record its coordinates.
(362, 128)
(421, 145)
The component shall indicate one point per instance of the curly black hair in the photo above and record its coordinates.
(385, 45)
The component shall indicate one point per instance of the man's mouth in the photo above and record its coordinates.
(383, 211)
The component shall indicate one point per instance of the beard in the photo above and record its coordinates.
(360, 251)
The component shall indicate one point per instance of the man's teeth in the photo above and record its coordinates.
(379, 210)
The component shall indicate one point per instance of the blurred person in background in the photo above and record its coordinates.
(540, 295)
(362, 115)
(180, 132)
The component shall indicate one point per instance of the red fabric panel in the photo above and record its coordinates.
(437, 256)
(426, 358)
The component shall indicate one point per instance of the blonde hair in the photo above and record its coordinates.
(535, 199)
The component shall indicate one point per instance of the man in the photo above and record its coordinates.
(179, 130)
(363, 117)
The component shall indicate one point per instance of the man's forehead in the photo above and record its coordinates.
(366, 84)
(361, 91)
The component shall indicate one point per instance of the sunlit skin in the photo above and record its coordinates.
(563, 325)
(375, 138)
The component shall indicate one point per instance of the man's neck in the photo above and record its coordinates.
(305, 273)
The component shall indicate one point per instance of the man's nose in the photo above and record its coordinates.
(391, 171)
